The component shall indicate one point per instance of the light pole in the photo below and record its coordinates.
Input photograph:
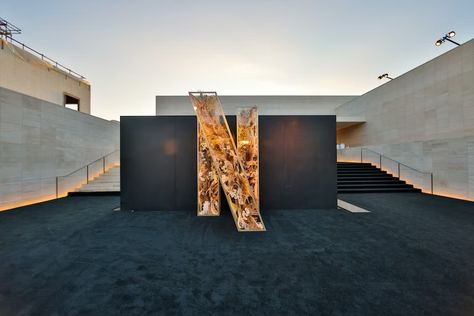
(384, 76)
(447, 37)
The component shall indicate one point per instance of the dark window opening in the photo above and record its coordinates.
(71, 102)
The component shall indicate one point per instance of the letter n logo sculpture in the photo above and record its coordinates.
(220, 160)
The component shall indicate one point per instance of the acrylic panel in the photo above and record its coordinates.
(232, 176)
(208, 181)
(247, 145)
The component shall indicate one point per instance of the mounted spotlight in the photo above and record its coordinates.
(447, 38)
(384, 76)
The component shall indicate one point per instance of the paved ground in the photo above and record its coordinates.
(413, 254)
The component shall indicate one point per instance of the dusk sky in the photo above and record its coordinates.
(132, 51)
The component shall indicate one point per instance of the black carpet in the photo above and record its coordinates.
(412, 255)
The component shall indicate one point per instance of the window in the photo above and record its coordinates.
(71, 102)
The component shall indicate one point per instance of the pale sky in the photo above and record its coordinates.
(132, 51)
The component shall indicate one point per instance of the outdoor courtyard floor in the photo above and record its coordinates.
(413, 254)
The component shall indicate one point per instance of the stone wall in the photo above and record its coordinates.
(425, 119)
(267, 105)
(26, 73)
(41, 140)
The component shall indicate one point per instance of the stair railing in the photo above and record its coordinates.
(81, 176)
(399, 165)
(380, 159)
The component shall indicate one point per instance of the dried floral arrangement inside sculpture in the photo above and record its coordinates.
(208, 181)
(232, 175)
(247, 145)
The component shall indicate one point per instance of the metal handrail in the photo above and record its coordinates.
(381, 156)
(46, 58)
(401, 163)
(103, 158)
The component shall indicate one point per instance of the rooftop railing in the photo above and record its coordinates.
(43, 57)
(7, 28)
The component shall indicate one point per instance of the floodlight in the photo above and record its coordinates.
(384, 76)
(447, 38)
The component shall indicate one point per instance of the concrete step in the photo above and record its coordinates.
(354, 164)
(363, 175)
(380, 190)
(343, 167)
(107, 182)
(98, 185)
(359, 170)
(100, 190)
(376, 181)
(372, 185)
(367, 178)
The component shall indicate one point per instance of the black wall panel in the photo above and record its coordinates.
(297, 162)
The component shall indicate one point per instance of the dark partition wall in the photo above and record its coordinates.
(158, 163)
(297, 162)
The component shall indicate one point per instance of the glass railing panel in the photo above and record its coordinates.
(71, 182)
(96, 169)
(348, 155)
(390, 166)
(418, 179)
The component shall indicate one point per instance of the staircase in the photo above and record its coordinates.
(353, 177)
(105, 184)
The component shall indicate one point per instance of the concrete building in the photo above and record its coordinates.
(424, 119)
(419, 126)
(267, 105)
(43, 135)
(23, 72)
(313, 208)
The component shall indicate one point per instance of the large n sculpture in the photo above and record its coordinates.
(220, 160)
